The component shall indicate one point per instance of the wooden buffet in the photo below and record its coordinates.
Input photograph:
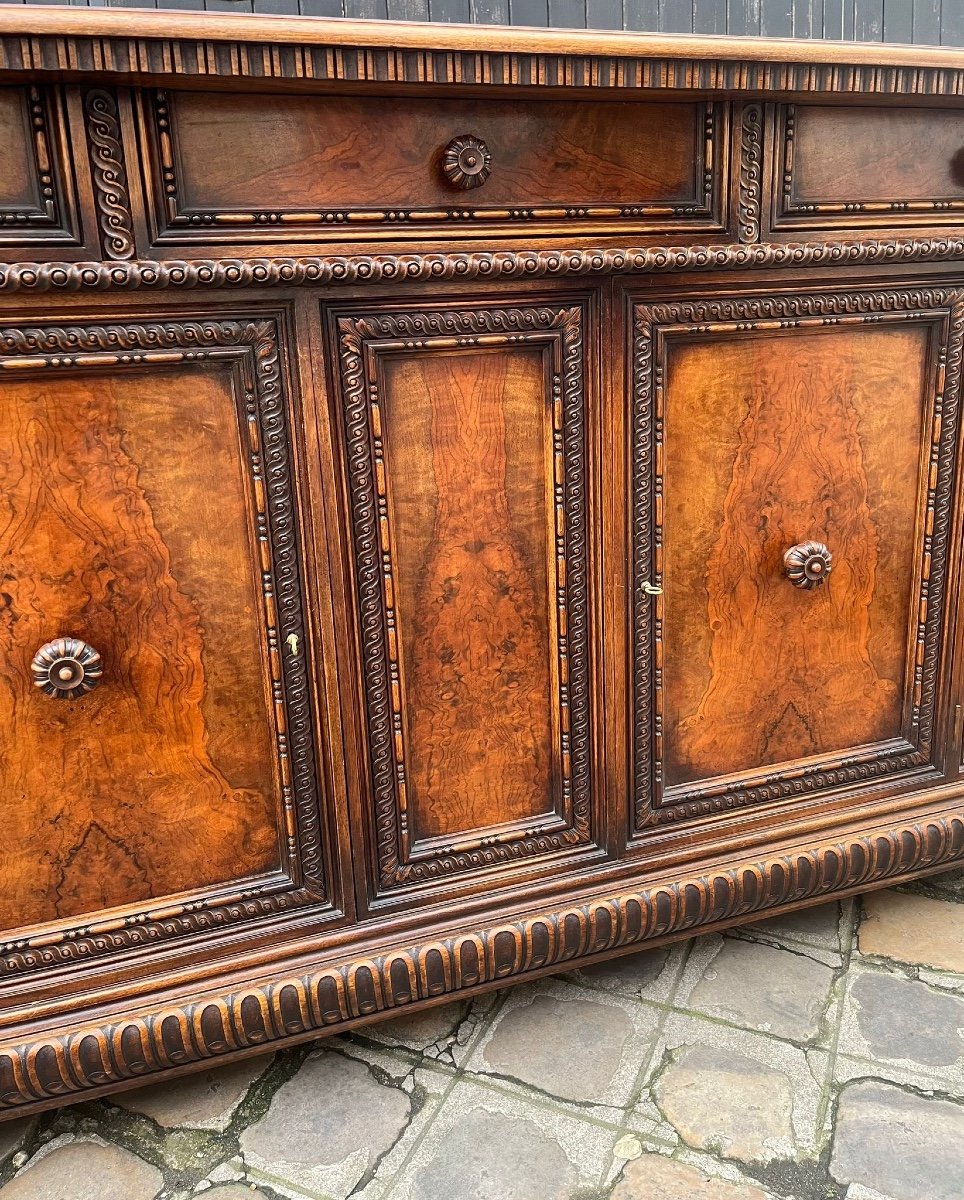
(471, 501)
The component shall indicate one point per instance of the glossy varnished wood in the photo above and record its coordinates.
(749, 690)
(470, 492)
(467, 439)
(438, 583)
(20, 186)
(236, 167)
(104, 535)
(773, 439)
(863, 168)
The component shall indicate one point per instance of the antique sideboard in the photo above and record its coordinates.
(471, 501)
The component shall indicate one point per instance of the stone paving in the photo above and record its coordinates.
(816, 1056)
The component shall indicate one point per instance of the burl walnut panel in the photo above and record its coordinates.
(238, 167)
(868, 167)
(467, 439)
(772, 440)
(124, 521)
(770, 423)
(465, 435)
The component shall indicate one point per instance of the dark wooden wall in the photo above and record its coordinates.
(926, 22)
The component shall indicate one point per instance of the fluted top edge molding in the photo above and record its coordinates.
(249, 33)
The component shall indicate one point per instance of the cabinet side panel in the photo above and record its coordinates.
(468, 448)
(773, 440)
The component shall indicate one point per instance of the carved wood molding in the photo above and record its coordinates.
(329, 270)
(361, 340)
(101, 1052)
(250, 347)
(942, 307)
(751, 172)
(256, 55)
(111, 193)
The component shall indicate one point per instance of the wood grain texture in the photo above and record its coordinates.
(771, 440)
(103, 23)
(163, 774)
(455, 465)
(466, 455)
(246, 167)
(869, 156)
(842, 169)
(19, 185)
(468, 436)
(660, 327)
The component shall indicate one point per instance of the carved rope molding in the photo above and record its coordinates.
(253, 345)
(109, 174)
(101, 1054)
(151, 275)
(751, 173)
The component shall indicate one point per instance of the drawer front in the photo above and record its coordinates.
(792, 494)
(867, 168)
(266, 169)
(147, 511)
(38, 203)
(466, 444)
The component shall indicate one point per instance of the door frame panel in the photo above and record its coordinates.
(654, 325)
(250, 347)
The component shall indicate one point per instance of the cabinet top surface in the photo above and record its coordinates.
(125, 25)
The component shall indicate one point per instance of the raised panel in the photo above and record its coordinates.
(247, 168)
(146, 507)
(864, 168)
(761, 424)
(37, 200)
(465, 434)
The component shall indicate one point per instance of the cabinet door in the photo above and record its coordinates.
(155, 724)
(465, 439)
(792, 494)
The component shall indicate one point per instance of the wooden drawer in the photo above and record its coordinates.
(266, 169)
(850, 169)
(39, 211)
(164, 766)
(763, 424)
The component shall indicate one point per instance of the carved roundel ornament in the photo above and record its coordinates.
(66, 668)
(466, 162)
(808, 564)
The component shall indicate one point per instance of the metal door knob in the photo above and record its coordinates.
(66, 668)
(808, 564)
